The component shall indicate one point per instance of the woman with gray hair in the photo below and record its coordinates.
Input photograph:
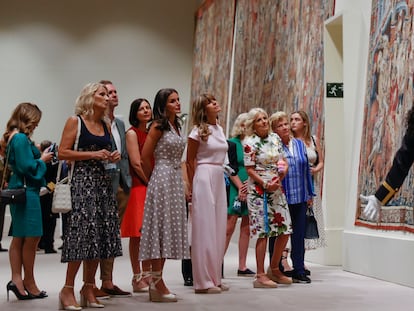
(92, 227)
(268, 211)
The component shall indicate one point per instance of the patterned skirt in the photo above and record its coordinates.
(91, 229)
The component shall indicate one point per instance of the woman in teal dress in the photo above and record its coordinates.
(238, 189)
(28, 168)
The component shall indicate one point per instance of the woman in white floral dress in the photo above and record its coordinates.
(268, 210)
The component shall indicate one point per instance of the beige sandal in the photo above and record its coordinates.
(140, 282)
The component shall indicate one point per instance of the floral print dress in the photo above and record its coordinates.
(268, 211)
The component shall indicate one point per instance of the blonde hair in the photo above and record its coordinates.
(276, 117)
(198, 115)
(239, 125)
(84, 102)
(251, 117)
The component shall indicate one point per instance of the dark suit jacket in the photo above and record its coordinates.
(232, 154)
(403, 160)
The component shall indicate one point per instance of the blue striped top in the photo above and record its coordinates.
(297, 183)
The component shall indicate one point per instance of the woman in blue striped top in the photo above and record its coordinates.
(298, 189)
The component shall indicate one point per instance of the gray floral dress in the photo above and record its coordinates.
(268, 211)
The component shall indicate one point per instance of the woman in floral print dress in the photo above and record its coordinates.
(268, 210)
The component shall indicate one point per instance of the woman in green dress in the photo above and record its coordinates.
(28, 168)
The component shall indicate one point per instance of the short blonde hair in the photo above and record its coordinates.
(251, 117)
(277, 116)
(239, 125)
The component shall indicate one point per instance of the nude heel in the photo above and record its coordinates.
(75, 307)
(138, 280)
(84, 300)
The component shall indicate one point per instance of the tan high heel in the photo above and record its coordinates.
(263, 284)
(84, 300)
(277, 276)
(74, 307)
(154, 294)
(138, 280)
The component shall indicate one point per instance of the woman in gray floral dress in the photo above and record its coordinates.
(268, 210)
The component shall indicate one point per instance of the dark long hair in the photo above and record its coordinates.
(133, 110)
(160, 102)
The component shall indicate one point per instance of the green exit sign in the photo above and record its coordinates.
(335, 90)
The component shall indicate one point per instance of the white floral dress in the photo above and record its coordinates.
(268, 211)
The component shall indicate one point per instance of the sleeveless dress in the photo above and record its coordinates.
(317, 207)
(208, 217)
(134, 213)
(91, 229)
(274, 219)
(164, 229)
(24, 159)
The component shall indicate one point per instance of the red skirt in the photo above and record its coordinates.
(132, 221)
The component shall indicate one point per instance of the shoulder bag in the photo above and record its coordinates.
(12, 196)
(62, 197)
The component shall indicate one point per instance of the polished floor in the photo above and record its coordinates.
(331, 289)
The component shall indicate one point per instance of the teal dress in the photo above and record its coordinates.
(234, 192)
(26, 165)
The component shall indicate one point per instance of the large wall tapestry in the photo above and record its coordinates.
(278, 61)
(213, 46)
(388, 98)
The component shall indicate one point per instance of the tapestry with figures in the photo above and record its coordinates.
(389, 97)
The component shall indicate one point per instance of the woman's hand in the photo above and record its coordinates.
(273, 185)
(243, 192)
(282, 168)
(46, 156)
(115, 156)
(103, 155)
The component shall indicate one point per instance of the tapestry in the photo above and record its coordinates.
(278, 62)
(388, 98)
(213, 45)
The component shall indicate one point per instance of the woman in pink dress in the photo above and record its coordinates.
(139, 115)
(206, 152)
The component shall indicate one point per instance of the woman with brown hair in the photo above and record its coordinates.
(164, 229)
(207, 148)
(140, 114)
(29, 168)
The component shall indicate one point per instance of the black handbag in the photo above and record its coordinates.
(311, 231)
(12, 196)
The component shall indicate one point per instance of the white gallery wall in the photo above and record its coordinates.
(50, 49)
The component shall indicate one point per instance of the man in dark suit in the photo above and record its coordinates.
(121, 183)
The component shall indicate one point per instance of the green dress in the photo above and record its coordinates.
(234, 192)
(26, 165)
